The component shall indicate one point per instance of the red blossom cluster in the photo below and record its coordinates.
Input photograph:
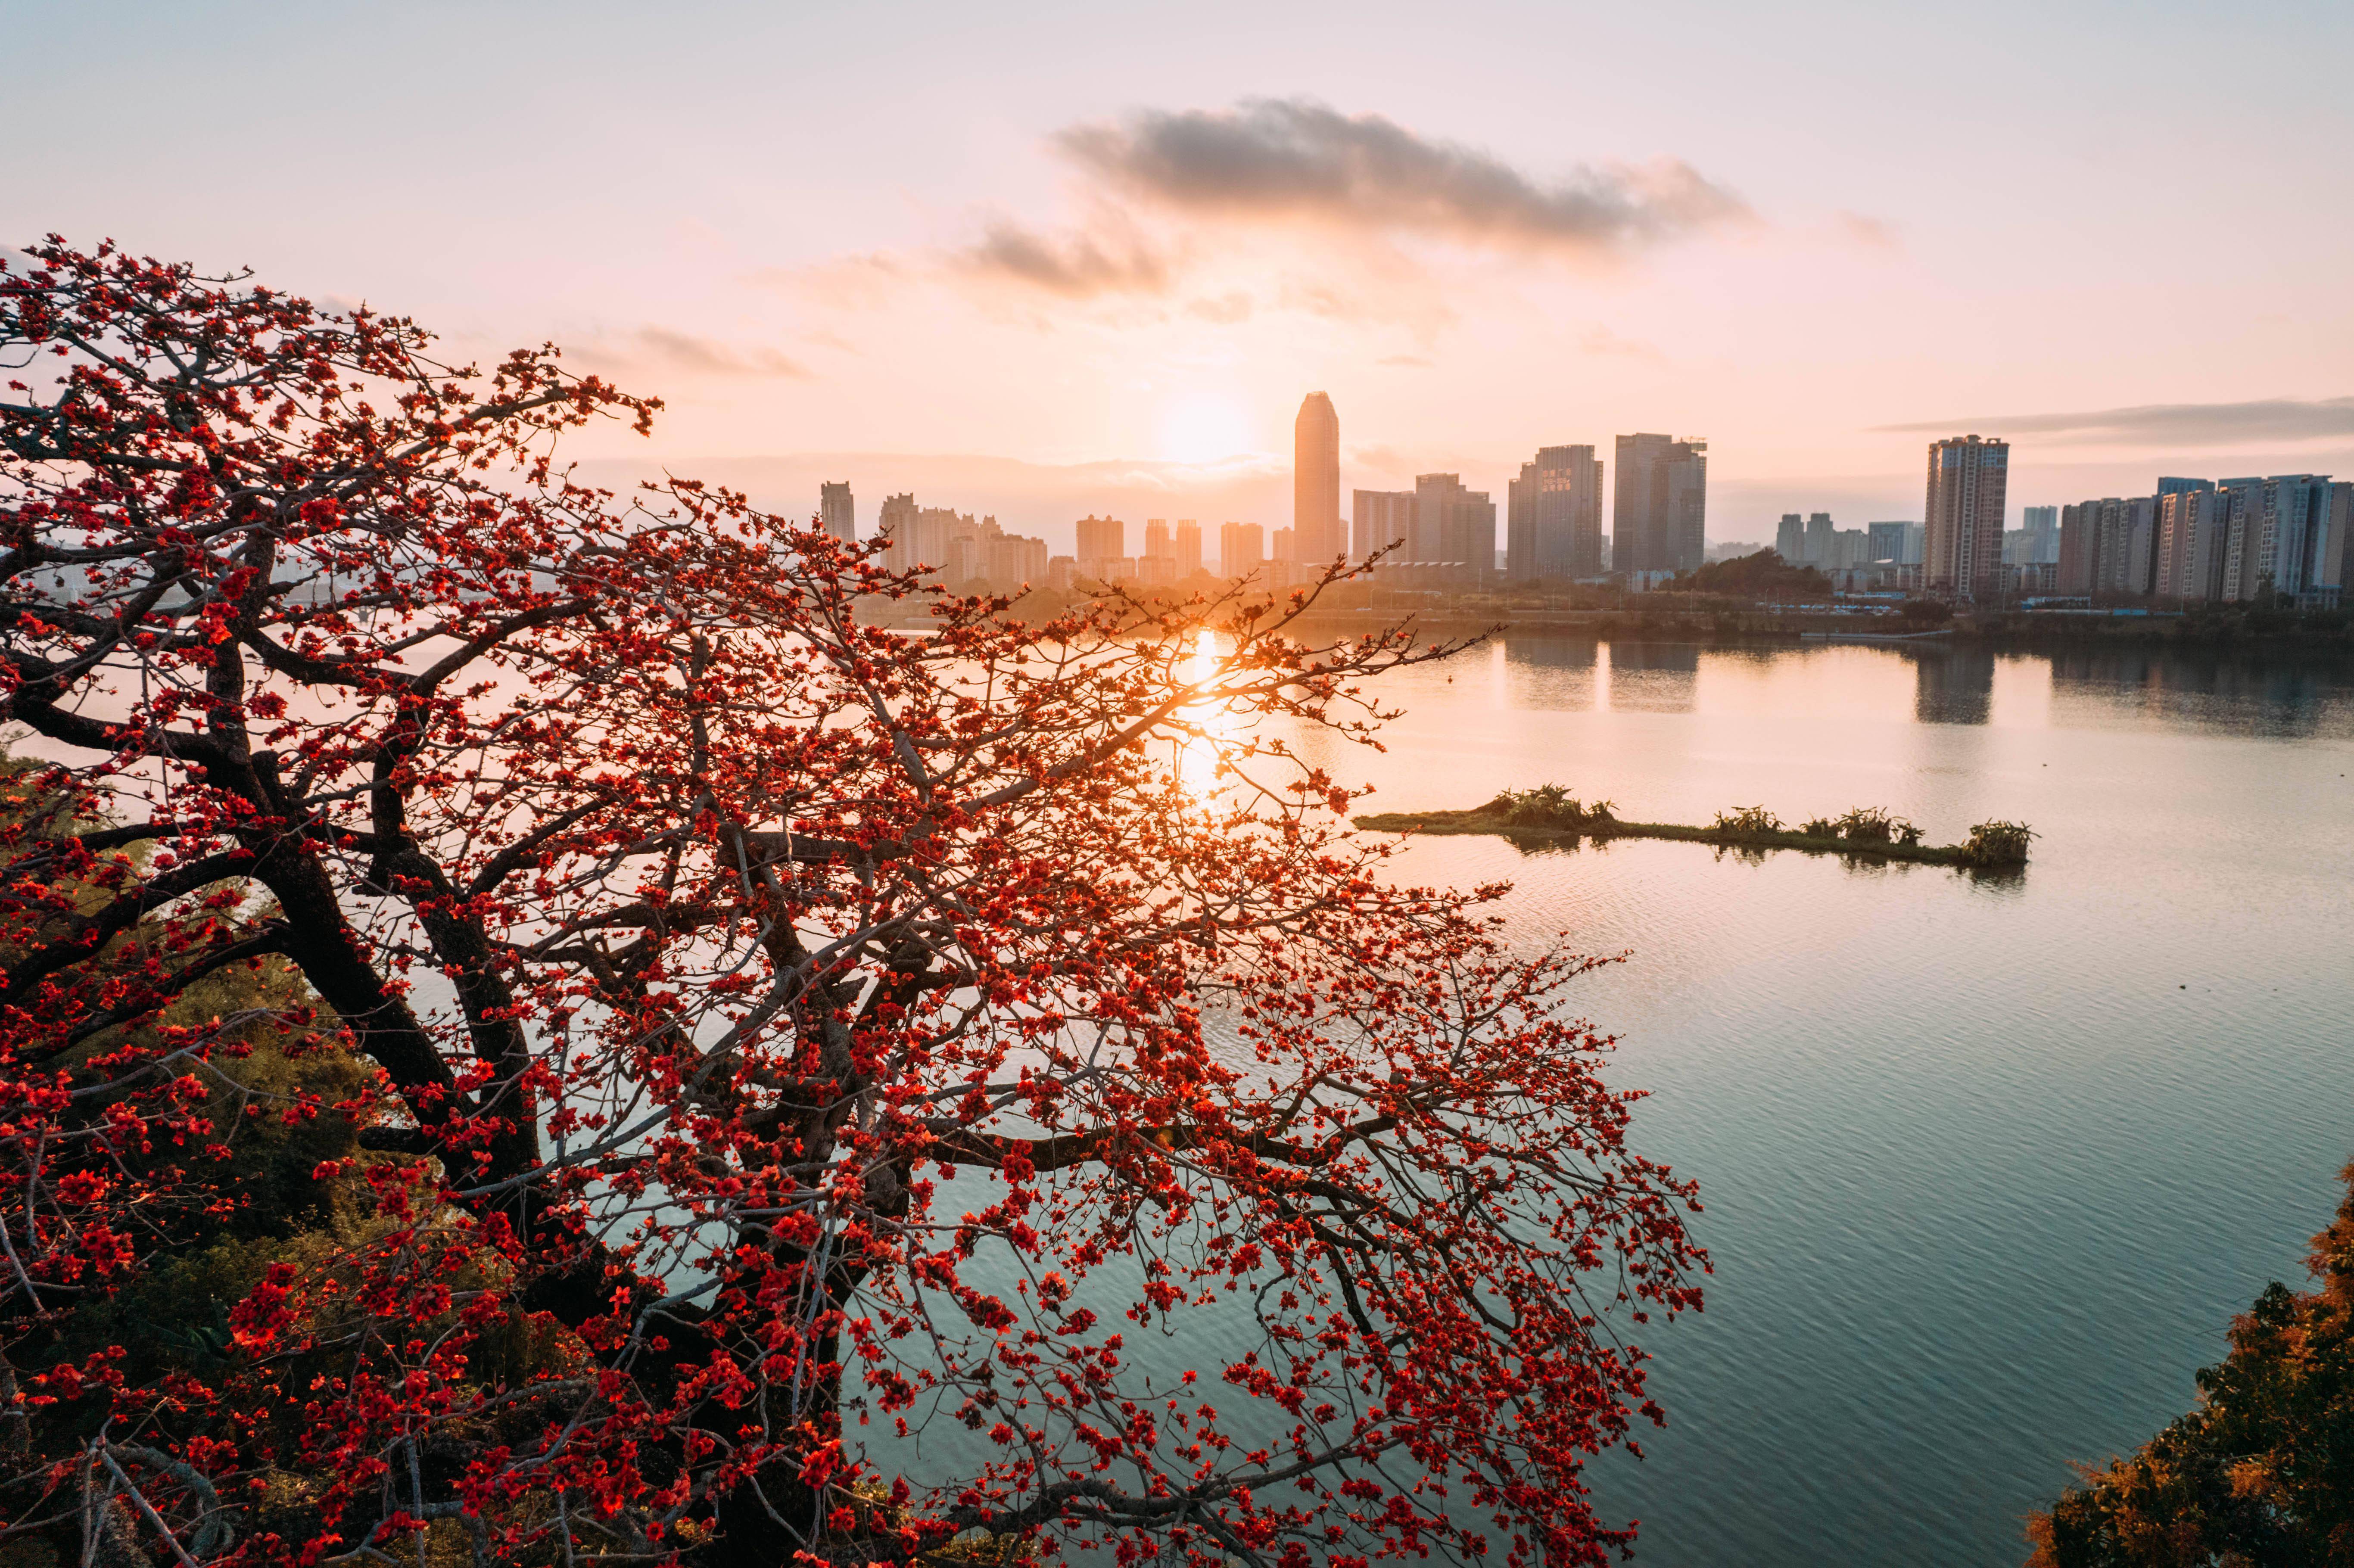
(639, 1063)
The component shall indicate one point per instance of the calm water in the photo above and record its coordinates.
(1988, 1166)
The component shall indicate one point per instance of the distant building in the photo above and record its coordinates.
(2333, 552)
(1553, 517)
(1454, 538)
(1241, 548)
(836, 513)
(1101, 538)
(2042, 526)
(1186, 547)
(897, 526)
(2190, 529)
(2297, 508)
(1790, 538)
(1379, 519)
(1316, 482)
(1969, 481)
(1283, 545)
(2080, 530)
(1658, 508)
(1817, 551)
(2127, 552)
(956, 549)
(1158, 546)
(1886, 541)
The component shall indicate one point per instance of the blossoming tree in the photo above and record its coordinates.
(753, 1086)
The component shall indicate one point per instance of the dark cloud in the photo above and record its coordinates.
(1077, 266)
(1291, 157)
(2171, 424)
(660, 346)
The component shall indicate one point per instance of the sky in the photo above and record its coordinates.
(1041, 260)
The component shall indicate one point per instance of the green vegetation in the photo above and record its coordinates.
(1550, 811)
(1765, 577)
(2262, 1470)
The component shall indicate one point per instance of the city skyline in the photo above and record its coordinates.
(1164, 255)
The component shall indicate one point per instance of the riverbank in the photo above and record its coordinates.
(1677, 618)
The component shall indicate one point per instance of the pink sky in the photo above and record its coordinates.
(1040, 261)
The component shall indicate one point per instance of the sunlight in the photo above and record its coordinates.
(1197, 759)
(1203, 427)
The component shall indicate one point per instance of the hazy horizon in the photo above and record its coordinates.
(1104, 253)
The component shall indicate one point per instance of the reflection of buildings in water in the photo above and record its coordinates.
(1552, 672)
(2285, 697)
(1953, 685)
(1654, 677)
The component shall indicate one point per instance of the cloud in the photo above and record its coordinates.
(1407, 361)
(1295, 158)
(1225, 309)
(2171, 424)
(1871, 233)
(660, 348)
(1081, 265)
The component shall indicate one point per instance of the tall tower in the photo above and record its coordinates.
(1316, 482)
(1969, 483)
(1556, 516)
(836, 512)
(1659, 507)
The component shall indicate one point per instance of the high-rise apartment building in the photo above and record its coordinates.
(1283, 545)
(1186, 546)
(1885, 542)
(1554, 521)
(836, 513)
(1969, 483)
(1818, 550)
(2191, 528)
(1790, 537)
(956, 548)
(1100, 539)
(2124, 555)
(1241, 548)
(2042, 525)
(2333, 554)
(1316, 482)
(1158, 546)
(1659, 505)
(1379, 519)
(1454, 529)
(2294, 517)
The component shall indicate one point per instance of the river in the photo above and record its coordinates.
(1988, 1165)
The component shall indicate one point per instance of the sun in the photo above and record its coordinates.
(1203, 427)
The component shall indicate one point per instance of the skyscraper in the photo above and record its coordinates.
(1316, 480)
(1379, 519)
(1883, 541)
(1969, 484)
(2190, 526)
(1100, 539)
(837, 513)
(1555, 517)
(1820, 548)
(1158, 546)
(1659, 505)
(1790, 538)
(1187, 545)
(2041, 524)
(1241, 548)
(1454, 529)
